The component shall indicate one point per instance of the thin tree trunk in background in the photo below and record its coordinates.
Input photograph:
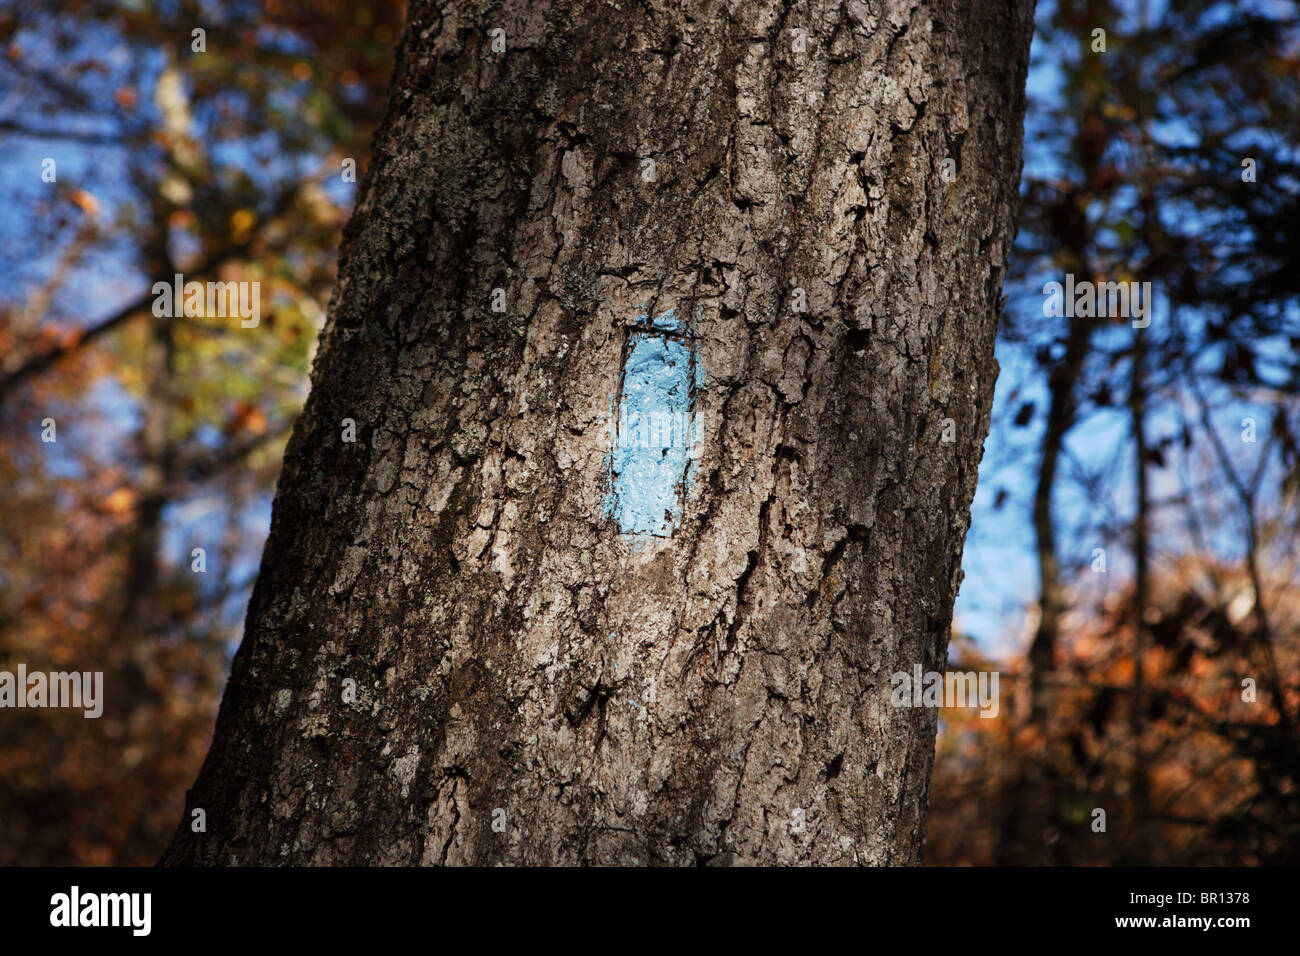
(567, 650)
(136, 617)
(1141, 588)
(1062, 384)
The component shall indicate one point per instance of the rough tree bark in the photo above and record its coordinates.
(547, 668)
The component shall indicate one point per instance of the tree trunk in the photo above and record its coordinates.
(622, 573)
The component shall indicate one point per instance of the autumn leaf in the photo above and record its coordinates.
(120, 501)
(241, 223)
(84, 201)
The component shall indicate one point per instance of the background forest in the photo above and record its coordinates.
(1132, 570)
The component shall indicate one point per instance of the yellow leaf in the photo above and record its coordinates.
(241, 221)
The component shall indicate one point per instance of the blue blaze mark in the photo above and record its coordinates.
(654, 433)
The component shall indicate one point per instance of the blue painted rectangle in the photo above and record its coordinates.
(654, 434)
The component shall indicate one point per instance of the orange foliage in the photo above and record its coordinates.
(1222, 773)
